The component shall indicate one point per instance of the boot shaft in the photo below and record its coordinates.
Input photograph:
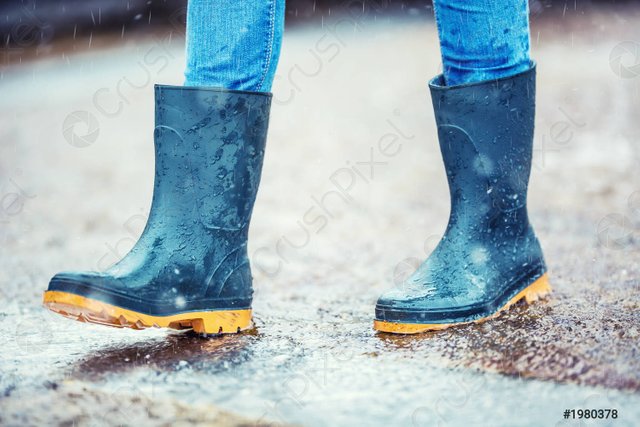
(486, 137)
(209, 146)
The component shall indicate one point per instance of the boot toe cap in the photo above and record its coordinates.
(87, 284)
(66, 280)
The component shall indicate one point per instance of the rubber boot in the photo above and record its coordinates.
(489, 256)
(189, 269)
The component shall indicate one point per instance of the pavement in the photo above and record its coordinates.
(76, 171)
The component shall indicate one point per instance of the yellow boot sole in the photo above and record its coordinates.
(538, 289)
(93, 311)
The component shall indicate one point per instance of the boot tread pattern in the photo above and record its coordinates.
(93, 311)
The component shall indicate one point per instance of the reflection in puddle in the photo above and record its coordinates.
(474, 335)
(397, 341)
(171, 353)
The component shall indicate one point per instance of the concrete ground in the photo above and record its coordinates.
(76, 172)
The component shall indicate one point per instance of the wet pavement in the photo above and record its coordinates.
(76, 168)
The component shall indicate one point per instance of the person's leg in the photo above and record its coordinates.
(233, 44)
(190, 267)
(489, 256)
(482, 40)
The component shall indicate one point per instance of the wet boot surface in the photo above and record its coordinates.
(489, 257)
(189, 268)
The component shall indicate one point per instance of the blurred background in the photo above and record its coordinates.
(40, 25)
(76, 174)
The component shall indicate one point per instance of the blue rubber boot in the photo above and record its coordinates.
(189, 269)
(489, 256)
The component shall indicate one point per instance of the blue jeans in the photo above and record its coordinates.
(482, 40)
(236, 44)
